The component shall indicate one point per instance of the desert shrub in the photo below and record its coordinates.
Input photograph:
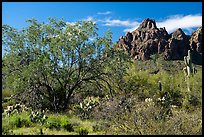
(137, 82)
(167, 99)
(107, 109)
(58, 122)
(83, 131)
(66, 124)
(17, 121)
(98, 127)
(145, 120)
(6, 93)
(53, 123)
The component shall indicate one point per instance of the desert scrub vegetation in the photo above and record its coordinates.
(142, 107)
(71, 85)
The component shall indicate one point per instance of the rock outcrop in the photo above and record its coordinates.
(147, 39)
(178, 45)
(196, 41)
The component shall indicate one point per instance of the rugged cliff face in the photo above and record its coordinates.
(147, 39)
(196, 41)
(178, 45)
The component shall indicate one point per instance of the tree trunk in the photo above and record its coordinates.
(66, 101)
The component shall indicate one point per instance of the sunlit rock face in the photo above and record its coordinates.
(196, 40)
(147, 39)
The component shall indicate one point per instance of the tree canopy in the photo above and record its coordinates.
(45, 64)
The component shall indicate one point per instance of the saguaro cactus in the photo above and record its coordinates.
(188, 63)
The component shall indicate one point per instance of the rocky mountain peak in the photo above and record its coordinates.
(147, 39)
(147, 24)
(178, 34)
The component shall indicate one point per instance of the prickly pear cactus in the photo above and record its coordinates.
(38, 116)
(87, 106)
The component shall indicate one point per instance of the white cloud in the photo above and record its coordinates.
(184, 22)
(130, 25)
(172, 23)
(104, 13)
(121, 23)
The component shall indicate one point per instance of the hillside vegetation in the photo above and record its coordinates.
(68, 85)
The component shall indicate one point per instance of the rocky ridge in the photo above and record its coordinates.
(147, 39)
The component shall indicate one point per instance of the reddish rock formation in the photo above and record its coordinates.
(196, 41)
(147, 39)
(178, 45)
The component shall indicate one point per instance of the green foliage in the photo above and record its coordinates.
(55, 65)
(67, 126)
(6, 93)
(5, 131)
(16, 121)
(58, 122)
(53, 123)
(139, 82)
(50, 61)
(83, 131)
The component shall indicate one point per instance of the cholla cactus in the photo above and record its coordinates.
(188, 63)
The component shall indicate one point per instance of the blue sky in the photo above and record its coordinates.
(119, 17)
